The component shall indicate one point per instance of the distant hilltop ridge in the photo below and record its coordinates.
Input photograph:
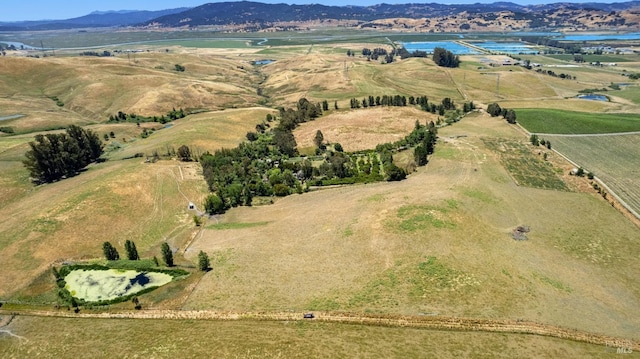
(431, 17)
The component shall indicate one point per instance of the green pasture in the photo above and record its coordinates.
(526, 168)
(631, 93)
(572, 122)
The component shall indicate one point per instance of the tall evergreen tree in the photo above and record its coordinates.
(318, 139)
(510, 116)
(167, 255)
(203, 261)
(110, 253)
(132, 252)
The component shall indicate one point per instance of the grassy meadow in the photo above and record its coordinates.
(438, 243)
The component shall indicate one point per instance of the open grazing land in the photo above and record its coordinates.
(273, 197)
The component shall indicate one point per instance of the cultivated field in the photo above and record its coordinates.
(436, 244)
(615, 160)
(603, 144)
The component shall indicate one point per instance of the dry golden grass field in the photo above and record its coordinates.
(436, 244)
(264, 339)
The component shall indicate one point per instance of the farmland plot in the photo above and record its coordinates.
(614, 159)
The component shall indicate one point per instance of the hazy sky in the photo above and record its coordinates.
(17, 10)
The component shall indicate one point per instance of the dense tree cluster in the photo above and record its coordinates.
(259, 167)
(443, 57)
(60, 155)
(266, 164)
(495, 110)
(378, 52)
(405, 54)
(104, 53)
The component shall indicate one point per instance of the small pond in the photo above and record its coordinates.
(263, 62)
(97, 285)
(594, 97)
(11, 117)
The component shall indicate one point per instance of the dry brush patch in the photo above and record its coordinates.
(98, 87)
(363, 129)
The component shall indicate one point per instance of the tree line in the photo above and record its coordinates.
(111, 254)
(495, 110)
(132, 117)
(553, 74)
(400, 100)
(61, 155)
(104, 53)
(378, 52)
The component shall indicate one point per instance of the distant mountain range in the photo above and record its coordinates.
(95, 19)
(256, 15)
